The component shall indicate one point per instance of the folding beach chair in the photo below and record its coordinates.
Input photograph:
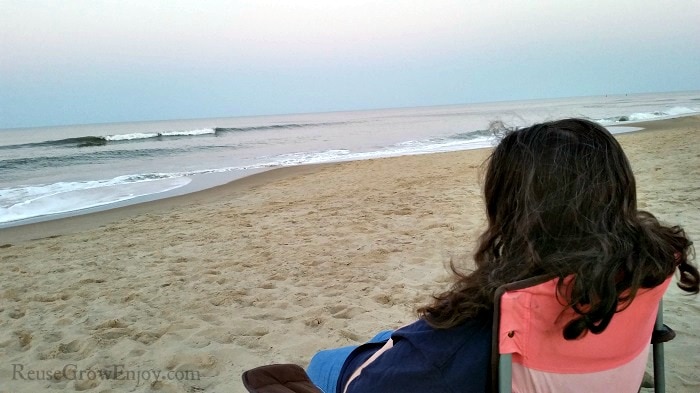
(530, 354)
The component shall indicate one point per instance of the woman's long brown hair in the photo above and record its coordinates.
(561, 199)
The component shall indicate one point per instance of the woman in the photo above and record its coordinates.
(560, 199)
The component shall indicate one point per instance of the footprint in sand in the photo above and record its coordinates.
(71, 347)
(112, 329)
(345, 312)
(16, 313)
(218, 335)
(351, 336)
(24, 339)
(112, 323)
(65, 351)
(86, 384)
(315, 321)
(53, 337)
(148, 337)
(203, 364)
(197, 342)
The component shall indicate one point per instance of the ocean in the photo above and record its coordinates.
(52, 172)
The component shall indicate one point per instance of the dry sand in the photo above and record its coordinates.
(274, 267)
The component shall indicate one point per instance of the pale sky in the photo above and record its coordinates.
(77, 62)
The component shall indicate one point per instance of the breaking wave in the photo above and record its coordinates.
(91, 140)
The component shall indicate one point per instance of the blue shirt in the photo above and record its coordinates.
(424, 359)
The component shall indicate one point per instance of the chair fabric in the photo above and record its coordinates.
(529, 322)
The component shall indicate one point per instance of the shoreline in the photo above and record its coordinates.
(67, 222)
(72, 221)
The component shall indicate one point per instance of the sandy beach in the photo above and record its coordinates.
(274, 267)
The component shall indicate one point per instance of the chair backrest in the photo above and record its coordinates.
(528, 327)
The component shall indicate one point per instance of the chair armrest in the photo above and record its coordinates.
(279, 378)
(662, 335)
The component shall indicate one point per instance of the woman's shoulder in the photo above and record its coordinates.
(422, 328)
(439, 346)
(427, 359)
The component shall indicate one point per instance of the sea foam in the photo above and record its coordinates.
(148, 135)
(35, 201)
(648, 116)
